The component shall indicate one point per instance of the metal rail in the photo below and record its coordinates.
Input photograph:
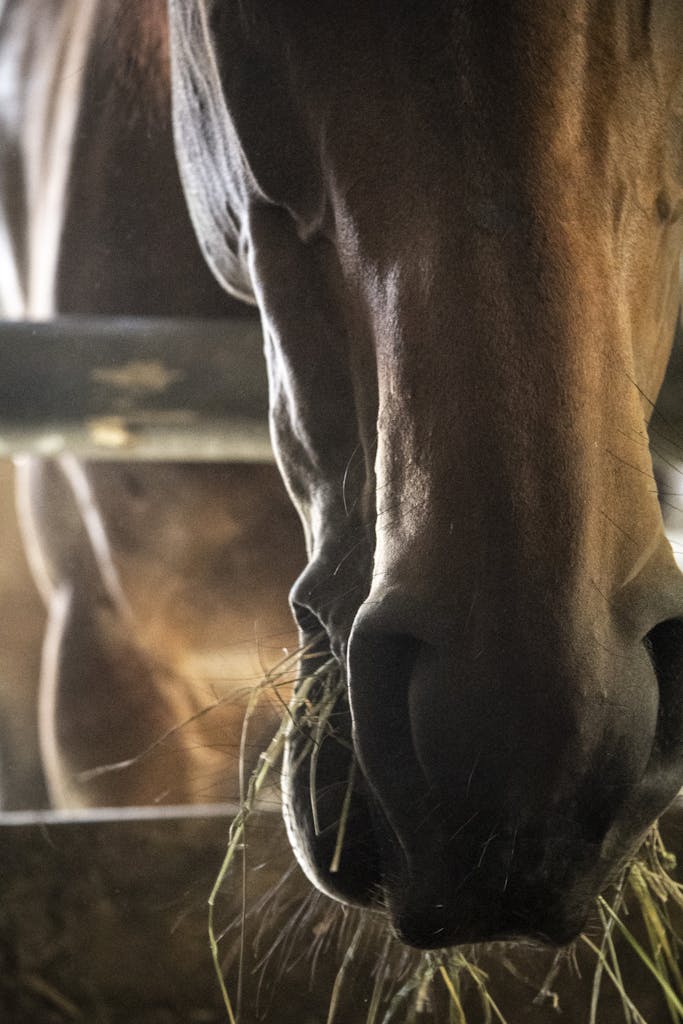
(103, 815)
(153, 388)
(134, 388)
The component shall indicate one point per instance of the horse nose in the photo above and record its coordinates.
(466, 707)
(499, 781)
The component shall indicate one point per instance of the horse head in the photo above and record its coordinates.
(461, 226)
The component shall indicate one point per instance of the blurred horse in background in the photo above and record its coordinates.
(165, 586)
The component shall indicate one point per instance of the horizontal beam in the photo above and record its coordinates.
(162, 388)
(104, 815)
(134, 388)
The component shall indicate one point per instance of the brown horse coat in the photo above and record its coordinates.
(461, 224)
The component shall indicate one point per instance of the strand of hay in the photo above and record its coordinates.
(268, 760)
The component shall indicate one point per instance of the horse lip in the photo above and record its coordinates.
(538, 902)
(314, 790)
(442, 929)
(534, 910)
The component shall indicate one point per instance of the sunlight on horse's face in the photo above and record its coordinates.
(462, 231)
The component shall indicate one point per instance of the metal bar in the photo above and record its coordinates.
(156, 388)
(99, 815)
(134, 388)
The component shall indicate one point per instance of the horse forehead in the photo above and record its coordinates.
(339, 89)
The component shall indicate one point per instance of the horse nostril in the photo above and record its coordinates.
(307, 621)
(309, 617)
(379, 656)
(324, 606)
(664, 644)
(380, 668)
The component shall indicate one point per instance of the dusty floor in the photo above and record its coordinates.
(106, 923)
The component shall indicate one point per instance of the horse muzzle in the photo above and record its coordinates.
(472, 808)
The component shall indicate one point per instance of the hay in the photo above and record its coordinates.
(407, 982)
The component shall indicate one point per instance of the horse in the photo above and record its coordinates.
(165, 586)
(461, 226)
